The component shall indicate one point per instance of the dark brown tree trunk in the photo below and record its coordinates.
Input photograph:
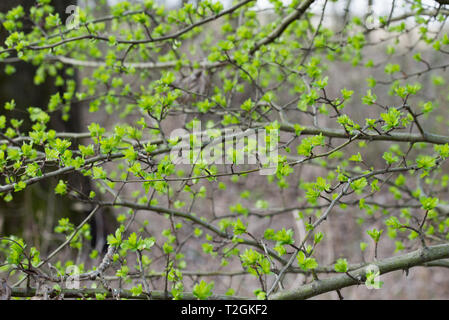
(18, 214)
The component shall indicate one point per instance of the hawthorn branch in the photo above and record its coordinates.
(281, 274)
(126, 294)
(174, 35)
(69, 239)
(194, 219)
(403, 262)
(391, 136)
(277, 32)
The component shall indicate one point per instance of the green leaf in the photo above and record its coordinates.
(116, 240)
(341, 265)
(370, 98)
(203, 290)
(239, 227)
(428, 203)
(306, 263)
(356, 157)
(137, 290)
(375, 234)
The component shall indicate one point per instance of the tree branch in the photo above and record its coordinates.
(91, 293)
(403, 262)
(296, 14)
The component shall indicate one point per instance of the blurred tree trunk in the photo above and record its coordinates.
(17, 216)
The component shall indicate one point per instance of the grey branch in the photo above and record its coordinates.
(402, 262)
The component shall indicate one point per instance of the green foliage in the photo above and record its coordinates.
(375, 234)
(341, 265)
(135, 244)
(306, 263)
(203, 290)
(308, 144)
(368, 149)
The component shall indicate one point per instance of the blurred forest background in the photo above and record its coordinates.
(34, 213)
